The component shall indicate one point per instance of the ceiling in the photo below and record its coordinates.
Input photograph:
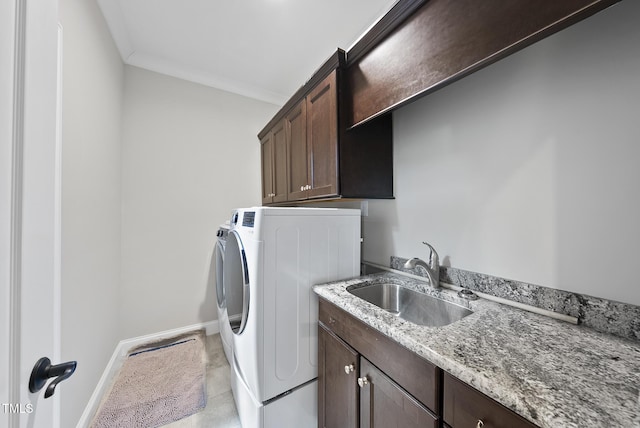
(264, 49)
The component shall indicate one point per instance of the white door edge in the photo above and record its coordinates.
(15, 204)
(27, 213)
(57, 237)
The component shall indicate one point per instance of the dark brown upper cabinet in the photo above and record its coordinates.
(298, 161)
(312, 141)
(322, 138)
(324, 160)
(273, 153)
(421, 46)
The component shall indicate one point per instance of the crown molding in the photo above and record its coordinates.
(115, 21)
(160, 65)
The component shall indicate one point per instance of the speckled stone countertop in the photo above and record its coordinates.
(553, 373)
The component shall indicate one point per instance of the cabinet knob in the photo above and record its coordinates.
(301, 188)
(348, 369)
(480, 423)
(362, 381)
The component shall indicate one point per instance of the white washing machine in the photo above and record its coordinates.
(273, 257)
(229, 304)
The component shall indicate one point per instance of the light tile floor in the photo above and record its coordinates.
(221, 409)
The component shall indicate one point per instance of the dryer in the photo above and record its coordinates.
(273, 258)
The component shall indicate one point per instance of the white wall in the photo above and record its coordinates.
(190, 155)
(93, 81)
(530, 168)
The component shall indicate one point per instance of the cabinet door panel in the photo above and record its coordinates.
(322, 137)
(266, 155)
(383, 404)
(298, 153)
(279, 163)
(338, 393)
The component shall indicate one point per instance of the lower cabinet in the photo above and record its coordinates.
(338, 391)
(384, 404)
(367, 380)
(355, 392)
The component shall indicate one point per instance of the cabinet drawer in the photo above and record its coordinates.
(464, 406)
(414, 374)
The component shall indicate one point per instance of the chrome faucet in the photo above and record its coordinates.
(432, 268)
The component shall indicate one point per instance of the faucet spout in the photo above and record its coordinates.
(432, 268)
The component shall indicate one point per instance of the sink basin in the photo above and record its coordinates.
(411, 305)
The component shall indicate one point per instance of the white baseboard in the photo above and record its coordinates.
(121, 350)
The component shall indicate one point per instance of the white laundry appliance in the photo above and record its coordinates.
(274, 256)
(229, 304)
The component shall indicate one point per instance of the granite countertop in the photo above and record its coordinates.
(553, 373)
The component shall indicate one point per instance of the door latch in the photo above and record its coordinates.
(43, 370)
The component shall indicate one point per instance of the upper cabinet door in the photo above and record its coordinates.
(322, 137)
(280, 166)
(273, 153)
(299, 176)
(266, 156)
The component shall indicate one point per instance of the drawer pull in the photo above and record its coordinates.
(348, 369)
(480, 423)
(362, 381)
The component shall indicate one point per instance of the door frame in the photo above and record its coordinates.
(30, 250)
(7, 87)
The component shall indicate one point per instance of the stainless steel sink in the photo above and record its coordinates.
(411, 305)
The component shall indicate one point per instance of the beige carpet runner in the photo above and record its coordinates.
(157, 384)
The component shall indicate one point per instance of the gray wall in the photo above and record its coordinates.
(92, 100)
(530, 168)
(190, 155)
(527, 169)
(151, 166)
